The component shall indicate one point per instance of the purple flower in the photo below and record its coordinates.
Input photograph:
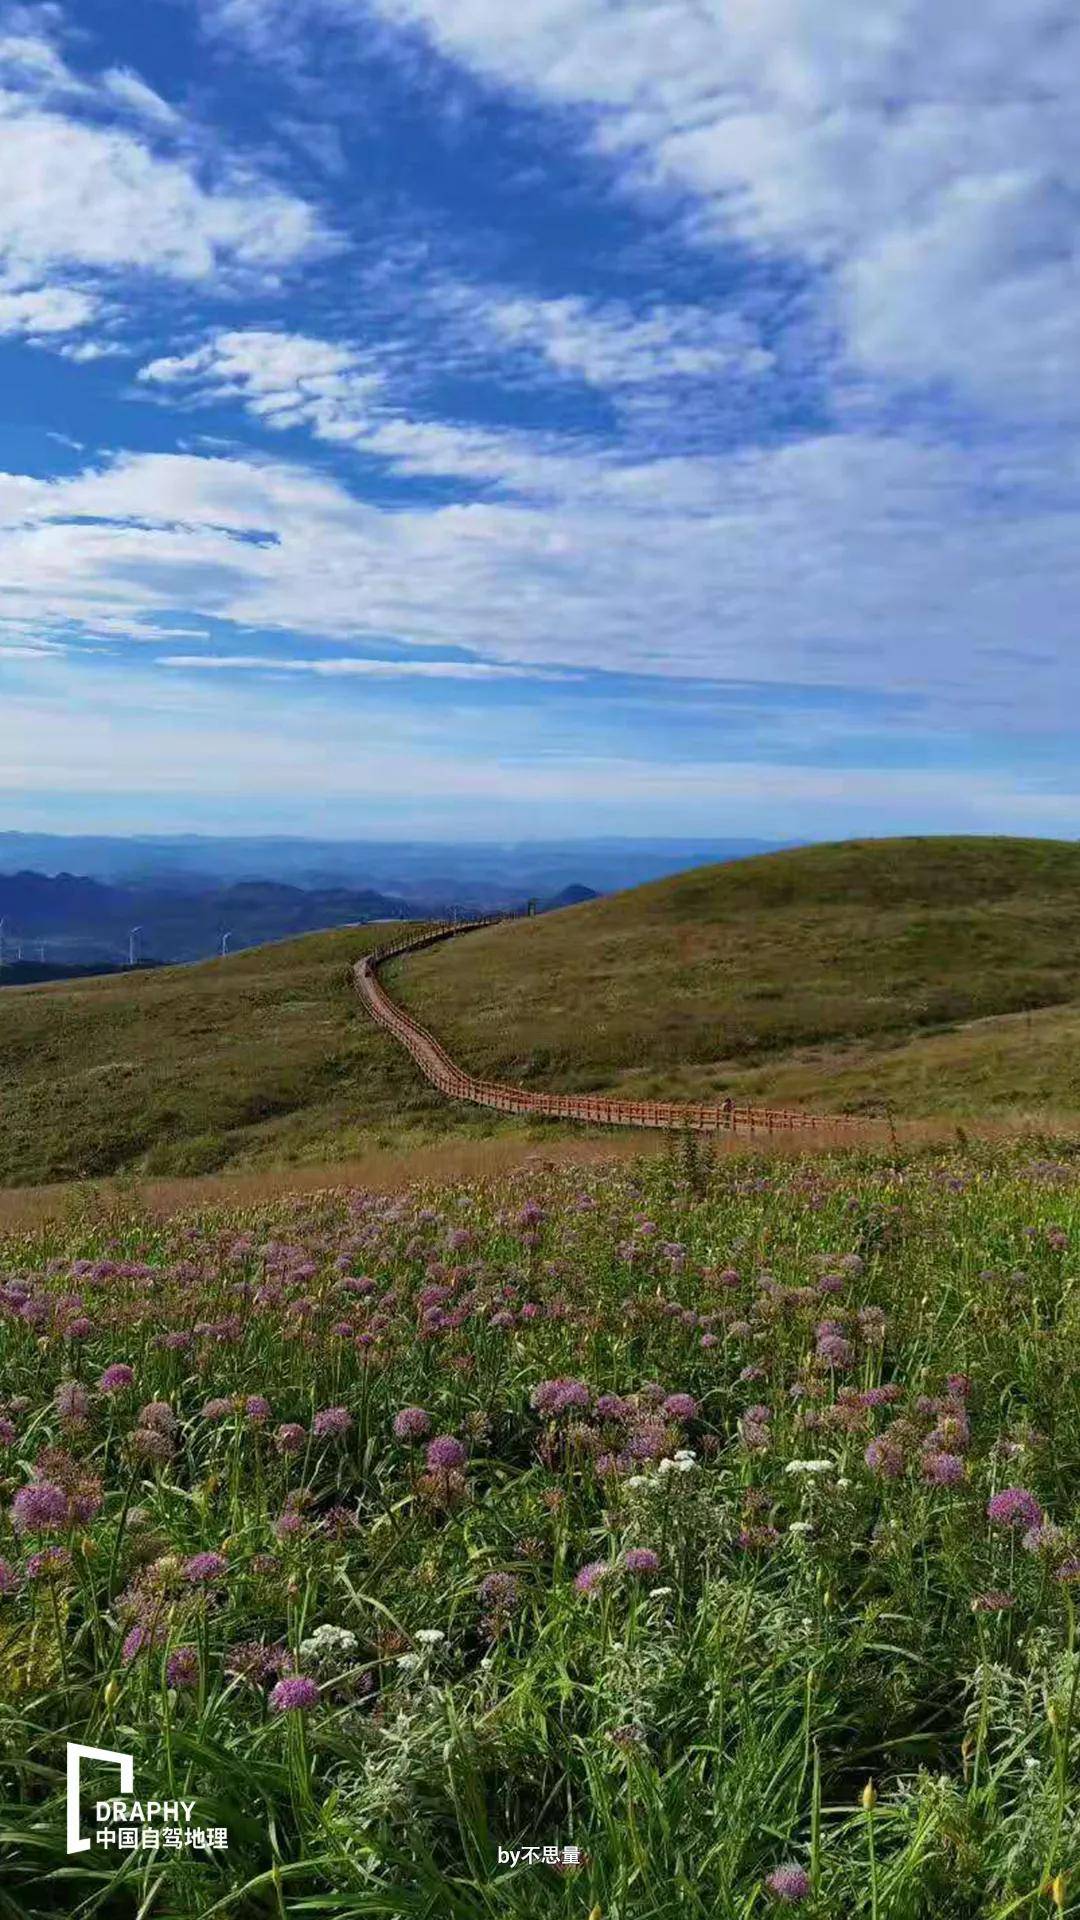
(332, 1423)
(872, 1323)
(788, 1883)
(288, 1524)
(290, 1438)
(647, 1442)
(589, 1577)
(295, 1694)
(257, 1409)
(611, 1406)
(445, 1453)
(253, 1660)
(834, 1350)
(182, 1668)
(7, 1433)
(216, 1410)
(880, 1396)
(40, 1508)
(1046, 1539)
(133, 1644)
(116, 1378)
(884, 1457)
(9, 1579)
(499, 1591)
(560, 1396)
(1014, 1507)
(72, 1402)
(205, 1569)
(42, 1566)
(681, 1406)
(943, 1469)
(641, 1560)
(759, 1538)
(159, 1415)
(412, 1423)
(996, 1601)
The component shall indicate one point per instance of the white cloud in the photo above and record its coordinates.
(928, 170)
(132, 93)
(85, 201)
(44, 310)
(367, 669)
(284, 379)
(93, 197)
(175, 741)
(856, 562)
(337, 391)
(612, 345)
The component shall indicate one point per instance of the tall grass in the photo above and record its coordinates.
(709, 1585)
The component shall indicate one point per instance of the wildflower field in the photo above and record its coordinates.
(676, 1539)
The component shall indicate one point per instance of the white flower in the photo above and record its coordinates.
(801, 1526)
(328, 1640)
(660, 1593)
(684, 1466)
(636, 1480)
(407, 1661)
(842, 1485)
(666, 1466)
(810, 1466)
(429, 1637)
(685, 1453)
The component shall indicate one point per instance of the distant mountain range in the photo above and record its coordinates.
(486, 874)
(75, 919)
(65, 921)
(73, 900)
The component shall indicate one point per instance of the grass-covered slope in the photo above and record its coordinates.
(259, 1058)
(839, 973)
(942, 974)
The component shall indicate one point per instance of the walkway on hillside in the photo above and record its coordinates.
(599, 1109)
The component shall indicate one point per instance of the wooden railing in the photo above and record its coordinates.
(598, 1109)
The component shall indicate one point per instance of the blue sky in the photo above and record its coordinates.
(448, 417)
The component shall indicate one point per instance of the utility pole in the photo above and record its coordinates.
(2, 926)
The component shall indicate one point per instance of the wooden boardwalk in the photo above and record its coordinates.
(592, 1108)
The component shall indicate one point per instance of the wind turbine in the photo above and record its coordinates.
(132, 944)
(225, 938)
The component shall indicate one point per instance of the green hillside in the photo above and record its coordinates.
(835, 974)
(257, 1059)
(941, 974)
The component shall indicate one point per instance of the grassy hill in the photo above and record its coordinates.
(942, 974)
(260, 1058)
(836, 975)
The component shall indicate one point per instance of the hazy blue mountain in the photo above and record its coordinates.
(66, 919)
(480, 874)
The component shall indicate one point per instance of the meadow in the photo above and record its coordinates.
(939, 975)
(711, 1525)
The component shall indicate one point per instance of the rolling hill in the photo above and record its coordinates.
(837, 975)
(941, 974)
